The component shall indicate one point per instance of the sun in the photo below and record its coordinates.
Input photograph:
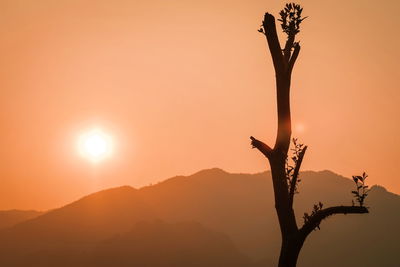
(95, 145)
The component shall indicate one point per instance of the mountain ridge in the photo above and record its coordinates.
(237, 205)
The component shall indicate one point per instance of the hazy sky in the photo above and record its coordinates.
(181, 85)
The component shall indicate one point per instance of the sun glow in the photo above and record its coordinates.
(95, 145)
(299, 128)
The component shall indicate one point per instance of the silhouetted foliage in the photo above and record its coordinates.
(316, 208)
(291, 19)
(362, 190)
(292, 169)
(285, 175)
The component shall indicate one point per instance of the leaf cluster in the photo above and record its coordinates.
(316, 208)
(296, 150)
(291, 19)
(362, 189)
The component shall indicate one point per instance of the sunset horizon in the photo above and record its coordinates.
(103, 66)
(141, 110)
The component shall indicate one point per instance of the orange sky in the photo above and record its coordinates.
(181, 85)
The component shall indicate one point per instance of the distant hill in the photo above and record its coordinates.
(232, 210)
(147, 244)
(10, 218)
(161, 244)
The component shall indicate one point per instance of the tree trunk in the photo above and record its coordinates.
(286, 216)
(291, 245)
(284, 190)
(289, 252)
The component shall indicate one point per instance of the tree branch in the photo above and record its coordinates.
(294, 57)
(288, 48)
(314, 220)
(273, 41)
(296, 175)
(261, 146)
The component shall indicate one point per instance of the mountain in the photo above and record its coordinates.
(147, 244)
(9, 218)
(91, 218)
(162, 244)
(235, 211)
(242, 206)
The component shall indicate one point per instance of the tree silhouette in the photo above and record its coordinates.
(285, 177)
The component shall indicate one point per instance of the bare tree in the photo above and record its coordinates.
(284, 176)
